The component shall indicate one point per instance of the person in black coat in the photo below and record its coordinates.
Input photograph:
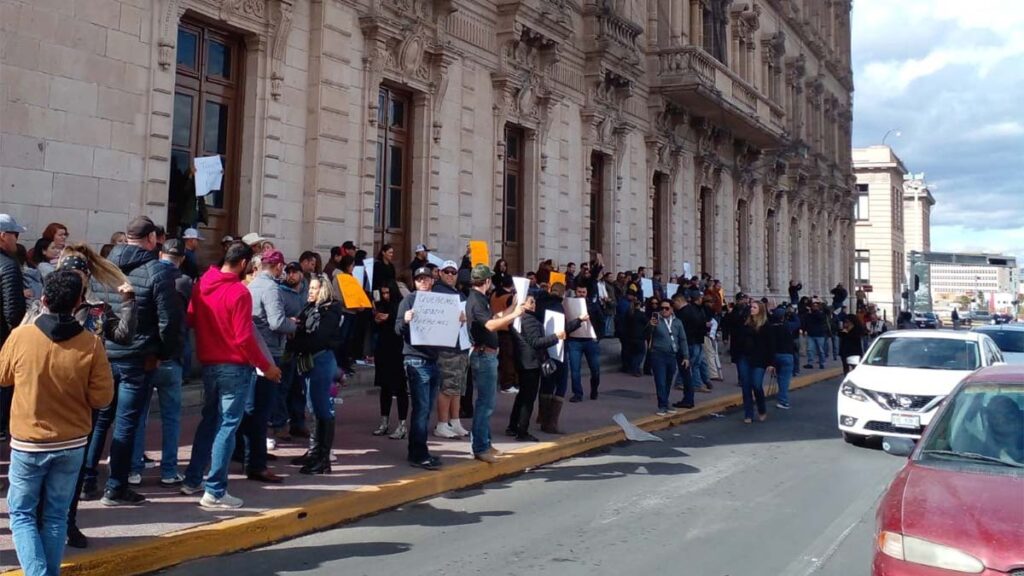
(532, 350)
(12, 302)
(389, 372)
(753, 350)
(851, 340)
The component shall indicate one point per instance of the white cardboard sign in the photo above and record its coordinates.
(209, 174)
(574, 308)
(555, 322)
(435, 320)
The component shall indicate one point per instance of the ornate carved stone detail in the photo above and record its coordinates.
(796, 69)
(170, 12)
(773, 47)
(523, 78)
(281, 27)
(746, 19)
(254, 8)
(407, 42)
(746, 177)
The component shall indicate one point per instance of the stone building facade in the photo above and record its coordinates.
(880, 259)
(917, 209)
(658, 132)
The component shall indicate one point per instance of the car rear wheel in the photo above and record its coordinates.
(855, 439)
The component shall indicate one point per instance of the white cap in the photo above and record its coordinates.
(421, 248)
(449, 264)
(191, 234)
(253, 238)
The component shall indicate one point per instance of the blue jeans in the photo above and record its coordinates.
(485, 380)
(663, 366)
(134, 389)
(225, 389)
(167, 381)
(577, 349)
(424, 380)
(252, 440)
(752, 382)
(318, 385)
(557, 383)
(784, 372)
(816, 345)
(49, 477)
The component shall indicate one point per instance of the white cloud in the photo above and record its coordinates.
(996, 131)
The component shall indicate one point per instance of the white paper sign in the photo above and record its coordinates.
(435, 260)
(435, 320)
(360, 274)
(602, 290)
(686, 270)
(522, 286)
(574, 308)
(647, 287)
(209, 173)
(464, 342)
(671, 290)
(555, 322)
(368, 267)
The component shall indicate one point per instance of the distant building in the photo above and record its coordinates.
(879, 257)
(917, 214)
(954, 276)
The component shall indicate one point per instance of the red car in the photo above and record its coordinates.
(957, 507)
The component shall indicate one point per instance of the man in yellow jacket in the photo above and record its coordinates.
(62, 374)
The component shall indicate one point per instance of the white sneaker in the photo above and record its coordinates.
(178, 478)
(135, 479)
(456, 426)
(227, 501)
(271, 444)
(512, 390)
(444, 430)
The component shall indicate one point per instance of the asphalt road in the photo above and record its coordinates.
(716, 498)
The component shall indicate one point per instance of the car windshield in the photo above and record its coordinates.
(984, 425)
(1007, 340)
(929, 315)
(926, 353)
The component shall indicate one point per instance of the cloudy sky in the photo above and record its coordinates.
(949, 75)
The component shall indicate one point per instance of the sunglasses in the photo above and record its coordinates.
(449, 271)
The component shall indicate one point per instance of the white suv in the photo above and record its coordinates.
(904, 376)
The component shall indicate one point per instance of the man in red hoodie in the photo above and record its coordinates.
(228, 347)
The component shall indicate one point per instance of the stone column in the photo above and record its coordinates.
(677, 22)
(696, 23)
(724, 241)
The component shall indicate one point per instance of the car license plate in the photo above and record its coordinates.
(906, 421)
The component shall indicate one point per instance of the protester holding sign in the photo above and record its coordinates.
(452, 364)
(421, 372)
(584, 342)
(483, 359)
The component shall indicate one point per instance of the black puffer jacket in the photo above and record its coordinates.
(158, 309)
(12, 296)
(532, 344)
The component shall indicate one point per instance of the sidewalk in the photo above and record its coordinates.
(369, 476)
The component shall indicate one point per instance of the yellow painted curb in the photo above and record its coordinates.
(235, 534)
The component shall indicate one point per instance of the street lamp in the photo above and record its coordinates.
(895, 131)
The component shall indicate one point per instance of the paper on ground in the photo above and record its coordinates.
(632, 432)
(555, 322)
(209, 173)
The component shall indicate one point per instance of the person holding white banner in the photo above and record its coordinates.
(421, 372)
(452, 364)
(531, 351)
(580, 345)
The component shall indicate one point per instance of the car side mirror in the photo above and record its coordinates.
(853, 360)
(898, 446)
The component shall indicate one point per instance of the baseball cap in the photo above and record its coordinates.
(9, 224)
(272, 257)
(481, 272)
(140, 227)
(422, 271)
(174, 247)
(349, 245)
(191, 234)
(449, 264)
(740, 296)
(227, 239)
(421, 248)
(293, 267)
(252, 238)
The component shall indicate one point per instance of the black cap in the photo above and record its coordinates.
(174, 247)
(349, 245)
(140, 227)
(422, 271)
(293, 267)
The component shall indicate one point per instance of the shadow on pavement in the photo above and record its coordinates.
(291, 560)
(426, 514)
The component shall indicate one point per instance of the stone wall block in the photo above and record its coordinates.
(106, 13)
(69, 158)
(73, 96)
(118, 105)
(21, 152)
(103, 223)
(127, 48)
(33, 187)
(76, 192)
(118, 165)
(87, 130)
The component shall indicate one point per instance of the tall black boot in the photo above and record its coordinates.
(550, 425)
(314, 443)
(523, 426)
(320, 463)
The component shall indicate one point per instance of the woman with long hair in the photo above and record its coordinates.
(754, 351)
(389, 373)
(783, 350)
(44, 256)
(99, 318)
(318, 334)
(500, 272)
(384, 268)
(56, 232)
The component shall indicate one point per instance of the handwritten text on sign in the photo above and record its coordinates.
(435, 320)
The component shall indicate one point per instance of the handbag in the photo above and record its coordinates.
(548, 367)
(771, 386)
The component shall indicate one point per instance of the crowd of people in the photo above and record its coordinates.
(87, 337)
